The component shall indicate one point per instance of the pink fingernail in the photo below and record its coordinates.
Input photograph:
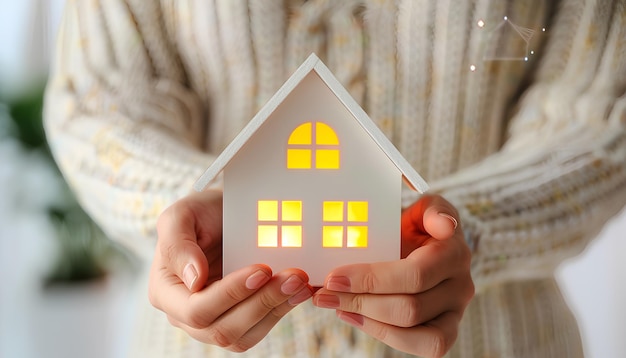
(451, 218)
(326, 301)
(338, 283)
(300, 297)
(292, 285)
(351, 318)
(190, 275)
(257, 279)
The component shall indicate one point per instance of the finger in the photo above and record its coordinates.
(202, 308)
(422, 270)
(399, 310)
(261, 329)
(255, 334)
(178, 249)
(235, 323)
(432, 339)
(432, 214)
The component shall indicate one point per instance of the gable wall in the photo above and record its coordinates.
(258, 172)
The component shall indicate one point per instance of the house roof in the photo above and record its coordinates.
(313, 63)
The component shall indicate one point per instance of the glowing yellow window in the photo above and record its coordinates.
(332, 236)
(268, 210)
(268, 235)
(292, 210)
(279, 223)
(344, 215)
(357, 211)
(325, 135)
(291, 236)
(333, 211)
(310, 145)
(357, 236)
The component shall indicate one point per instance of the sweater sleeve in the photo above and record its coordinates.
(562, 173)
(121, 123)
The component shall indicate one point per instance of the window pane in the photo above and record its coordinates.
(268, 210)
(325, 135)
(332, 236)
(327, 159)
(298, 158)
(357, 211)
(357, 236)
(291, 236)
(333, 211)
(301, 135)
(292, 210)
(268, 236)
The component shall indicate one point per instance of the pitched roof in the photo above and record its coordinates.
(313, 63)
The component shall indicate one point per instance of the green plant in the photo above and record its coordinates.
(84, 250)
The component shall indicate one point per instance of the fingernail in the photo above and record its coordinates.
(351, 318)
(257, 279)
(190, 275)
(292, 285)
(300, 297)
(341, 284)
(451, 218)
(326, 301)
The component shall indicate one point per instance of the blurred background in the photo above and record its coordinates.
(67, 291)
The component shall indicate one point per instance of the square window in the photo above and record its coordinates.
(291, 236)
(291, 210)
(268, 210)
(357, 236)
(298, 158)
(357, 211)
(268, 236)
(333, 211)
(332, 236)
(327, 159)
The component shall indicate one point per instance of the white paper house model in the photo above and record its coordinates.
(311, 182)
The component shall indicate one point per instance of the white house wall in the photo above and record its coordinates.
(258, 172)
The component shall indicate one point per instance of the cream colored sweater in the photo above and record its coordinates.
(514, 110)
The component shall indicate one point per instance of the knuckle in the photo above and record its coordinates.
(234, 294)
(356, 303)
(268, 302)
(416, 280)
(152, 297)
(173, 321)
(221, 337)
(380, 332)
(280, 311)
(441, 344)
(239, 347)
(407, 311)
(368, 281)
(193, 317)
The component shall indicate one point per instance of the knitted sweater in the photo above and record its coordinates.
(514, 111)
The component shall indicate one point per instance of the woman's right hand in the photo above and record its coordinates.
(234, 312)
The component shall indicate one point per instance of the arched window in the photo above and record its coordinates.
(313, 145)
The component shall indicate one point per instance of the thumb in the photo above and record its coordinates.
(440, 218)
(179, 249)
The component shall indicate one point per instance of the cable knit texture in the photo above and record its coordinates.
(532, 149)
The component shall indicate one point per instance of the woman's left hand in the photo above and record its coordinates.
(414, 304)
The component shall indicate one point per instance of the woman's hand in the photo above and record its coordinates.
(414, 304)
(235, 312)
